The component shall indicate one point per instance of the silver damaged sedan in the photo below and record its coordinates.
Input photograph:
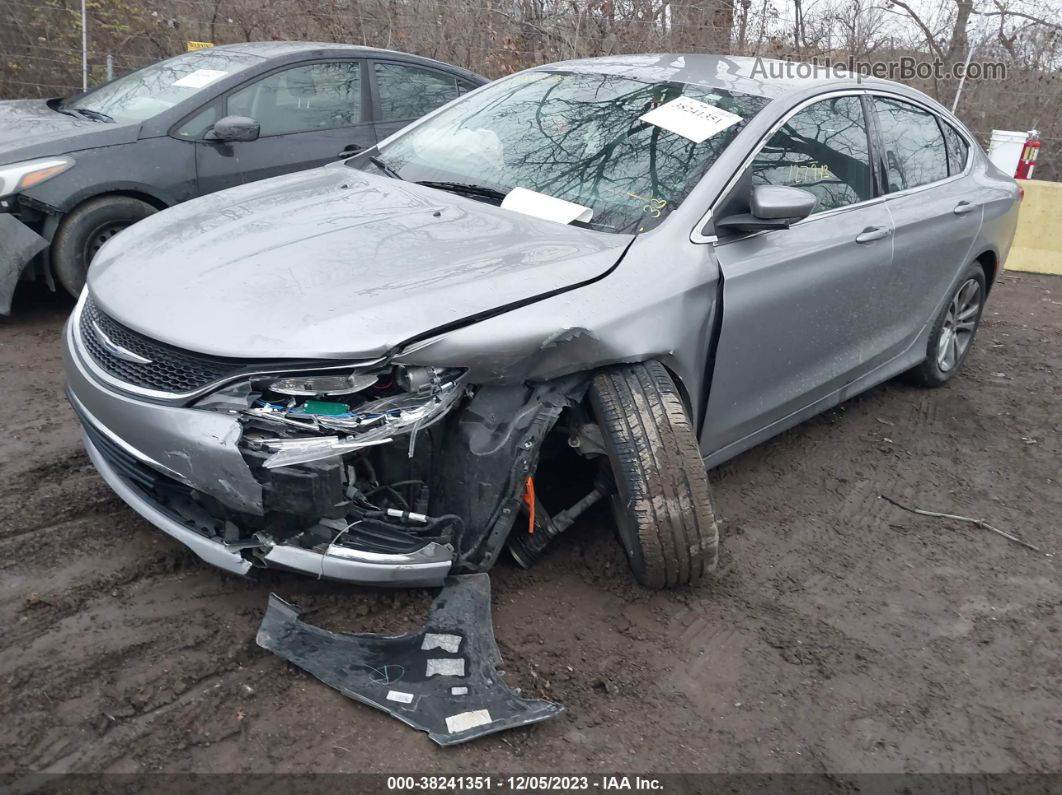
(590, 281)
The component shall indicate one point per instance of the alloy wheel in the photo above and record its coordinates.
(959, 325)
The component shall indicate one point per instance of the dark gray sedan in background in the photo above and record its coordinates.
(75, 172)
(587, 281)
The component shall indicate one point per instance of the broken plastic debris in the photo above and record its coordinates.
(300, 451)
(691, 118)
(367, 668)
(549, 208)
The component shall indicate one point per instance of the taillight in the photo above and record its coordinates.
(1021, 191)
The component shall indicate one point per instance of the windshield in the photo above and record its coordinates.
(578, 137)
(153, 89)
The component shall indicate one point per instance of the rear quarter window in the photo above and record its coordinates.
(914, 149)
(958, 150)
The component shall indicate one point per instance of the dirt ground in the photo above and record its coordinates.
(841, 634)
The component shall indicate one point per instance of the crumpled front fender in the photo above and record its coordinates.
(18, 245)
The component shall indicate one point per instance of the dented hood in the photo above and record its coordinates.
(334, 263)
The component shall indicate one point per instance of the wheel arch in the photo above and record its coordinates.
(989, 262)
(680, 385)
(154, 200)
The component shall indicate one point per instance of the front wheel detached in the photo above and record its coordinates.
(663, 505)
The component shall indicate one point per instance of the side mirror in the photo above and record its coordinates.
(772, 207)
(234, 128)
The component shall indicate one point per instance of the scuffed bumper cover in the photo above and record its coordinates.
(18, 245)
(442, 679)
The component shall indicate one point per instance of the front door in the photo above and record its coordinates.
(802, 307)
(308, 115)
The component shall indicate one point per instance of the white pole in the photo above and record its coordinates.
(84, 49)
(958, 91)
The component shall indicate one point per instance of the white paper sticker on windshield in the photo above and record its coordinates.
(199, 78)
(691, 118)
(549, 208)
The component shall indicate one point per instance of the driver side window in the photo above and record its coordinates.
(317, 96)
(824, 150)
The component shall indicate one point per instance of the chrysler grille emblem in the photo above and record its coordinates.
(117, 350)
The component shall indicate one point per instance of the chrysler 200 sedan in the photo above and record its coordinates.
(588, 281)
(74, 172)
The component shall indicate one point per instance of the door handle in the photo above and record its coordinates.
(350, 149)
(964, 207)
(872, 233)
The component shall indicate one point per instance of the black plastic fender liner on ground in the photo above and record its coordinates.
(663, 506)
(442, 679)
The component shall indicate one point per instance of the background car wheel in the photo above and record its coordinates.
(85, 229)
(663, 505)
(954, 330)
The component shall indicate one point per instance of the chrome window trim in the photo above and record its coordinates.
(181, 397)
(696, 235)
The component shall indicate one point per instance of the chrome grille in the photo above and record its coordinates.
(168, 369)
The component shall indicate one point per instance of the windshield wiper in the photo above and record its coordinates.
(380, 164)
(466, 189)
(95, 115)
(85, 113)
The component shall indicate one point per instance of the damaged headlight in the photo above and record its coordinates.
(323, 385)
(22, 176)
(320, 416)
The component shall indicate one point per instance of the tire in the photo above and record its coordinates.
(953, 331)
(665, 516)
(87, 227)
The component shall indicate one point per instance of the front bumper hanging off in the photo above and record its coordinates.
(444, 679)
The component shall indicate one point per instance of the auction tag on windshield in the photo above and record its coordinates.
(549, 208)
(691, 118)
(199, 78)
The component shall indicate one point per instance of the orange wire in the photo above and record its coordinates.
(529, 501)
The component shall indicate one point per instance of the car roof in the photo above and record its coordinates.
(765, 77)
(277, 49)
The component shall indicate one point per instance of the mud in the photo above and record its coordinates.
(840, 634)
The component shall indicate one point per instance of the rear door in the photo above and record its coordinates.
(403, 92)
(309, 114)
(803, 312)
(935, 207)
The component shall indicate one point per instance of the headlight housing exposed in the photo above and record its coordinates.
(347, 412)
(17, 177)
